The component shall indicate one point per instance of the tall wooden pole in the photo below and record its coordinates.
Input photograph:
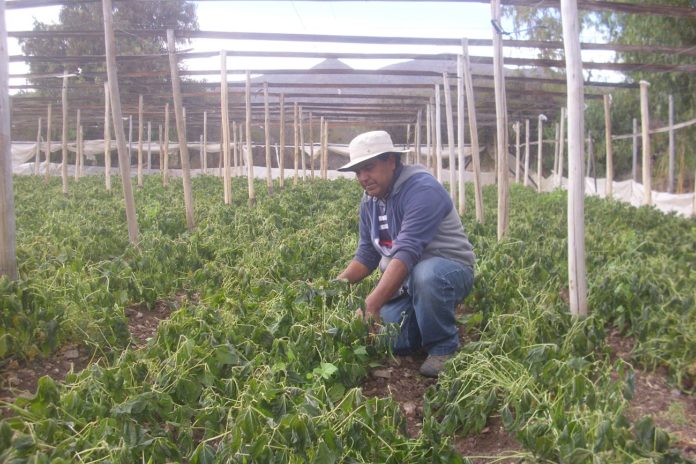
(417, 137)
(82, 150)
(149, 145)
(8, 241)
(460, 133)
(321, 148)
(609, 187)
(326, 148)
(107, 137)
(429, 135)
(225, 129)
(540, 150)
(526, 153)
(267, 138)
(311, 146)
(250, 154)
(64, 135)
(645, 126)
(577, 279)
(473, 131)
(37, 154)
(296, 151)
(236, 150)
(516, 128)
(140, 140)
(78, 143)
(165, 152)
(634, 151)
(302, 147)
(181, 130)
(555, 154)
(438, 134)
(281, 141)
(123, 161)
(49, 110)
(670, 174)
(450, 137)
(501, 122)
(561, 146)
(204, 147)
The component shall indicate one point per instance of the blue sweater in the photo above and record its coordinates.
(422, 222)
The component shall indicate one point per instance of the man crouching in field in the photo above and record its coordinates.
(411, 230)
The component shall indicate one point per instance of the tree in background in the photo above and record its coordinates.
(632, 29)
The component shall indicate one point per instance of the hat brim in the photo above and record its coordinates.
(353, 163)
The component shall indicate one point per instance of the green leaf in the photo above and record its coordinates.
(325, 370)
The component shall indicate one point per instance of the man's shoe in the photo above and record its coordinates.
(434, 364)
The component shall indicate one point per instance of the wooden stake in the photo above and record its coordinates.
(240, 140)
(473, 131)
(321, 148)
(516, 128)
(540, 150)
(428, 135)
(634, 170)
(450, 137)
(460, 133)
(561, 146)
(311, 147)
(82, 151)
(281, 141)
(123, 161)
(250, 154)
(107, 137)
(526, 152)
(204, 146)
(302, 148)
(267, 137)
(555, 153)
(160, 142)
(140, 140)
(609, 185)
(48, 140)
(297, 141)
(37, 154)
(149, 145)
(417, 136)
(438, 135)
(501, 122)
(181, 130)
(78, 157)
(236, 150)
(225, 126)
(64, 135)
(8, 240)
(647, 155)
(577, 279)
(325, 149)
(670, 173)
(165, 152)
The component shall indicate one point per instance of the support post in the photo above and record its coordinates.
(311, 146)
(609, 184)
(181, 130)
(281, 141)
(428, 134)
(417, 137)
(37, 154)
(8, 240)
(438, 134)
(225, 130)
(526, 152)
(647, 155)
(296, 151)
(204, 146)
(460, 133)
(473, 131)
(501, 122)
(48, 139)
(64, 135)
(107, 137)
(561, 146)
(78, 153)
(302, 148)
(450, 137)
(140, 140)
(165, 151)
(670, 174)
(540, 149)
(577, 279)
(123, 161)
(149, 145)
(250, 153)
(516, 128)
(267, 138)
(634, 152)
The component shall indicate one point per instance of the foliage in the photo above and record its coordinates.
(264, 362)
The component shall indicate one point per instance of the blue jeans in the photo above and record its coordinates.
(426, 313)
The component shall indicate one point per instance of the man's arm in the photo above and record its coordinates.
(355, 272)
(392, 279)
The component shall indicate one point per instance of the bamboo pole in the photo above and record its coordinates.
(670, 174)
(82, 150)
(140, 140)
(281, 141)
(37, 154)
(417, 136)
(123, 161)
(64, 134)
(428, 135)
(240, 140)
(297, 141)
(311, 147)
(107, 137)
(460, 133)
(250, 154)
(526, 153)
(149, 145)
(130, 137)
(160, 144)
(236, 150)
(267, 137)
(516, 128)
(78, 160)
(634, 151)
(438, 134)
(555, 153)
(645, 126)
(204, 144)
(322, 173)
(609, 185)
(225, 126)
(165, 152)
(577, 278)
(8, 240)
(49, 110)
(561, 146)
(501, 122)
(302, 148)
(450, 137)
(540, 150)
(326, 148)
(181, 130)
(473, 131)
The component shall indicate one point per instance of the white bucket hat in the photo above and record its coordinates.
(367, 146)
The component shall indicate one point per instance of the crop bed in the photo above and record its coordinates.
(265, 361)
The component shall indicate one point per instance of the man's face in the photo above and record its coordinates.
(375, 175)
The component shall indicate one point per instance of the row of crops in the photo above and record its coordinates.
(265, 361)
